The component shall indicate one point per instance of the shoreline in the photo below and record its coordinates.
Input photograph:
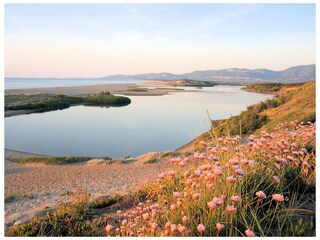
(121, 89)
(47, 184)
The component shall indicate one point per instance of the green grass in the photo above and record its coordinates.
(53, 102)
(169, 89)
(137, 90)
(15, 197)
(54, 160)
(106, 99)
(150, 161)
(269, 87)
(76, 218)
(104, 202)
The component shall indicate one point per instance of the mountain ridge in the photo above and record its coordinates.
(301, 73)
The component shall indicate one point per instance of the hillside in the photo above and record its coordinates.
(295, 74)
(292, 102)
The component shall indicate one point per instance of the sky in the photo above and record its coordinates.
(95, 40)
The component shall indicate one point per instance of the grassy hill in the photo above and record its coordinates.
(292, 102)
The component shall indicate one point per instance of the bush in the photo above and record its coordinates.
(106, 99)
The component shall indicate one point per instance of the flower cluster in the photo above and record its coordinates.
(225, 185)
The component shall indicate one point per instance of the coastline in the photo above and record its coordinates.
(121, 88)
(116, 89)
(48, 183)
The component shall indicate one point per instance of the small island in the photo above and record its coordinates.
(50, 102)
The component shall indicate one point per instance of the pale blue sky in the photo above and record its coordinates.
(92, 40)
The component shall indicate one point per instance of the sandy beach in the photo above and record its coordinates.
(75, 90)
(121, 88)
(48, 184)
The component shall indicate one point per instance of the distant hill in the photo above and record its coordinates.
(295, 74)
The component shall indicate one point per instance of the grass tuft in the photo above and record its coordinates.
(53, 160)
(15, 197)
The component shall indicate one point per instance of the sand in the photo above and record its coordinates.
(76, 90)
(96, 88)
(49, 183)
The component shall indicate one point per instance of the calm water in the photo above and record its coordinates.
(17, 83)
(149, 123)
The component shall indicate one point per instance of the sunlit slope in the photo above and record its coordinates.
(293, 102)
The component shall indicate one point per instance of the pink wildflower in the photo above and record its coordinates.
(278, 197)
(220, 227)
(203, 143)
(173, 228)
(201, 228)
(217, 201)
(212, 205)
(235, 199)
(276, 179)
(145, 216)
(176, 194)
(109, 228)
(231, 209)
(239, 171)
(231, 179)
(249, 233)
(261, 195)
(185, 219)
(181, 164)
(195, 196)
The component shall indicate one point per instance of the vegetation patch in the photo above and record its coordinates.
(234, 187)
(137, 89)
(50, 103)
(15, 197)
(55, 102)
(269, 87)
(54, 160)
(293, 101)
(150, 161)
(77, 218)
(168, 89)
(103, 202)
(191, 83)
(106, 99)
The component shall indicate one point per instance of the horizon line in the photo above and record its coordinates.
(161, 73)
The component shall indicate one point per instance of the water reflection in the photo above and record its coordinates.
(149, 123)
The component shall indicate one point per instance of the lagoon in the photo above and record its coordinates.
(149, 123)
